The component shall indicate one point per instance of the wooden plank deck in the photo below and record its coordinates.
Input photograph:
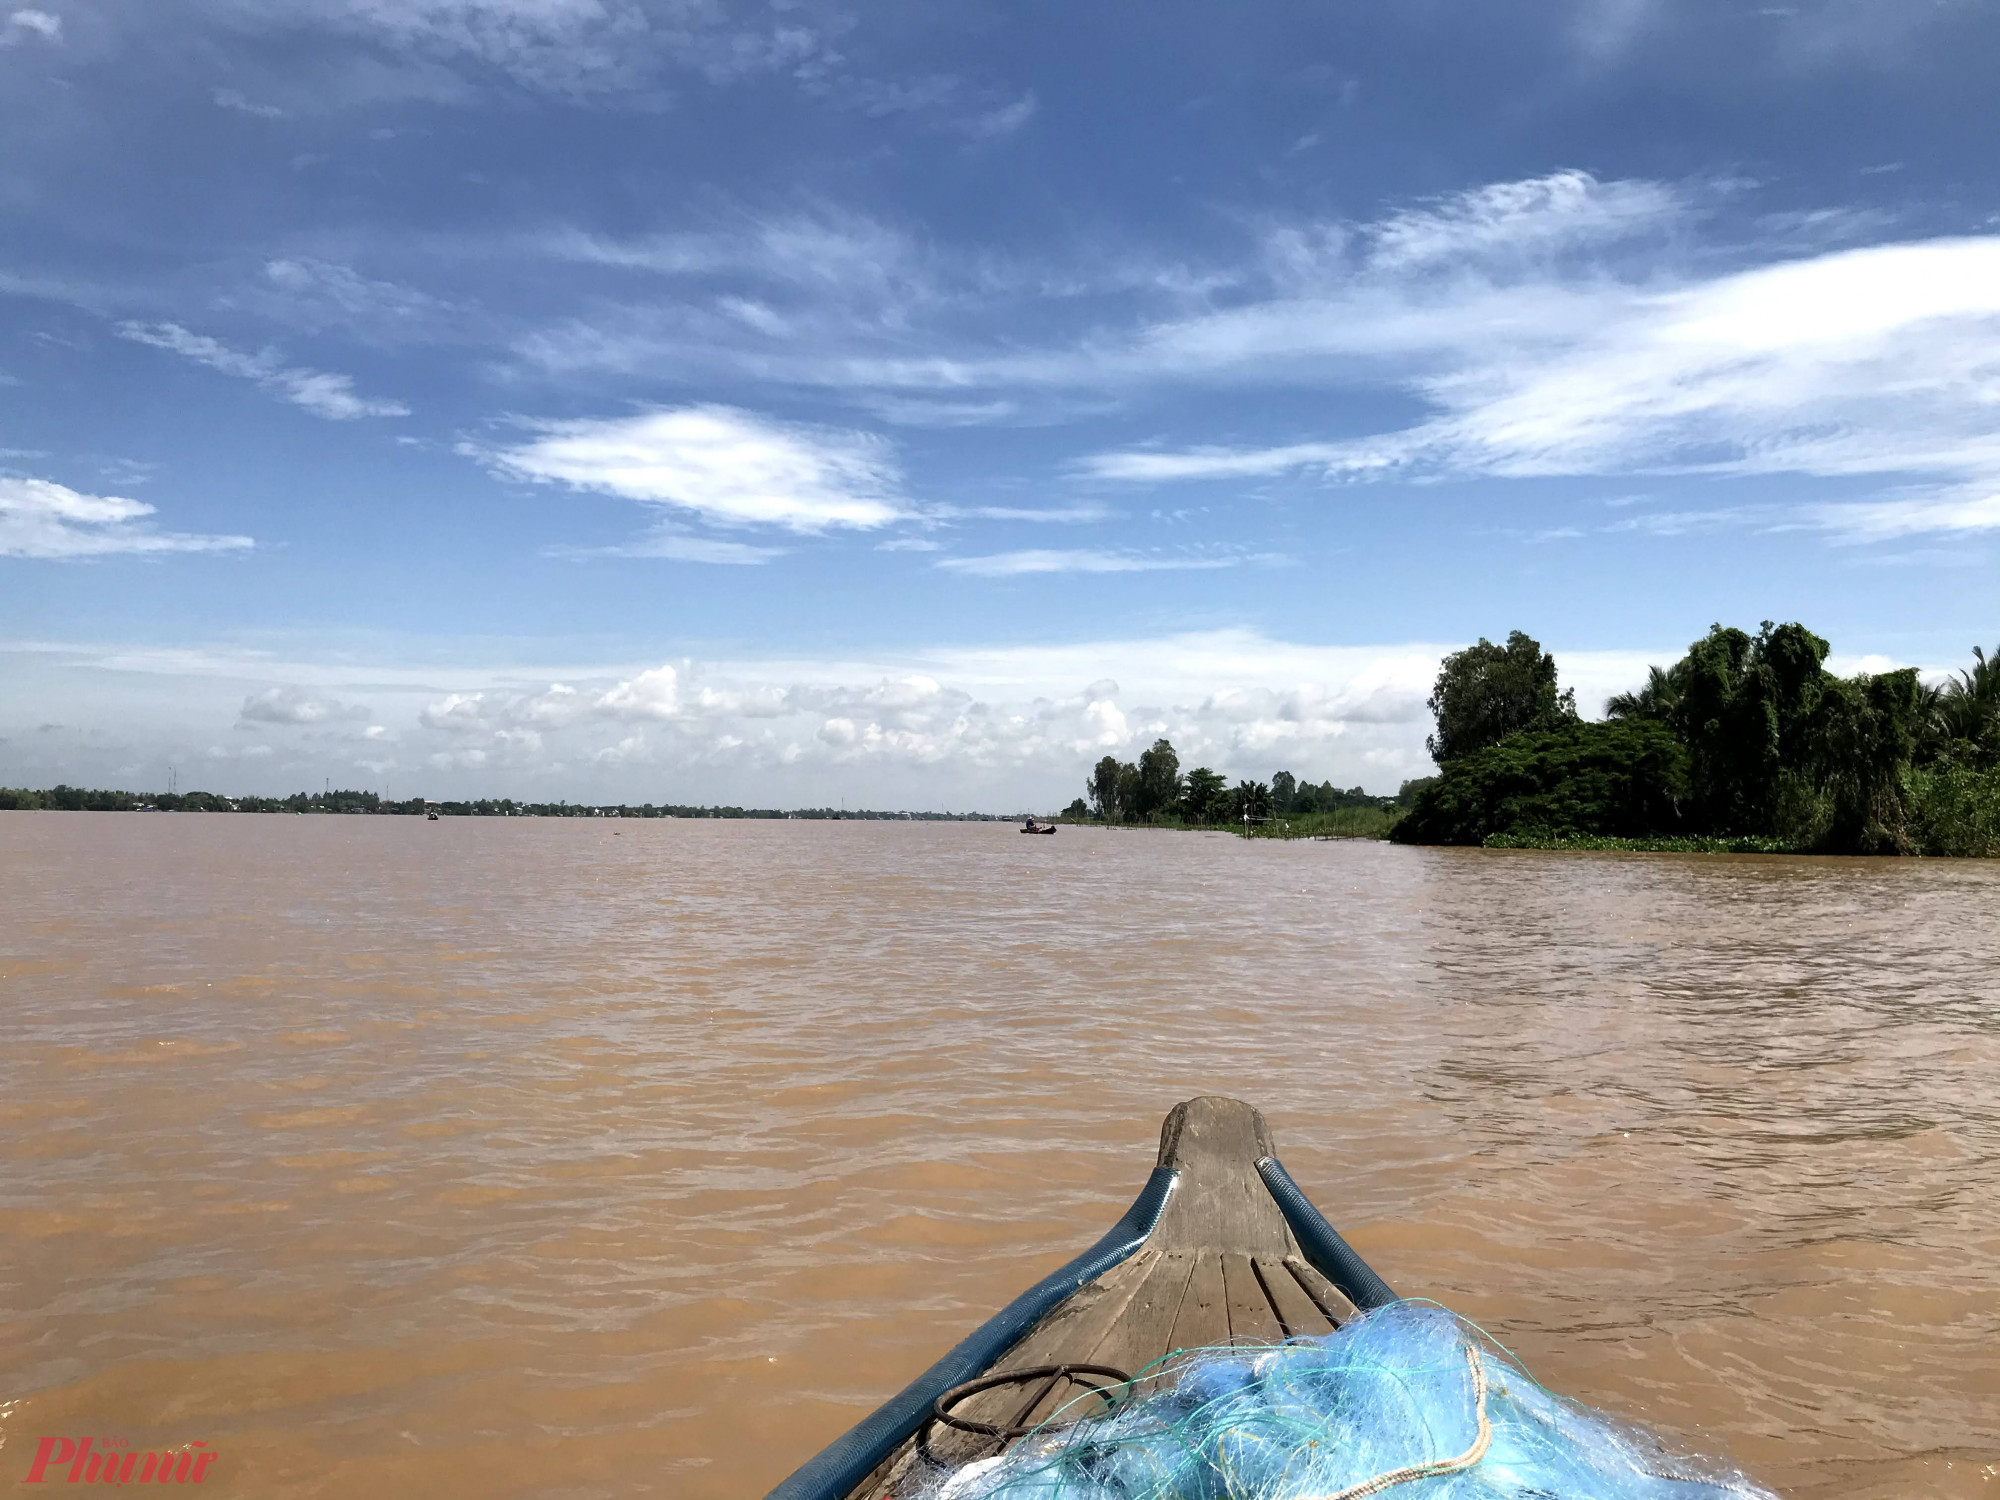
(1221, 1268)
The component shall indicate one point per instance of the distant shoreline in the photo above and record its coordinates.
(369, 804)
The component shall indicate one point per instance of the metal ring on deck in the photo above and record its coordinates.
(1005, 1432)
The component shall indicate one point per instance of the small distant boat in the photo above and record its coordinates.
(1041, 828)
(1220, 1247)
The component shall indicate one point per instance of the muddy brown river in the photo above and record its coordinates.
(587, 1158)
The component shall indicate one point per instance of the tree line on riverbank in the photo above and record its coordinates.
(1746, 742)
(1153, 791)
(62, 798)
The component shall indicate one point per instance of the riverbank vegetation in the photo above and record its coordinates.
(1746, 742)
(1153, 792)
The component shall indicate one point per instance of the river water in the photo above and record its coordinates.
(577, 1159)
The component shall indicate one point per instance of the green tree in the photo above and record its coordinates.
(1487, 692)
(1655, 700)
(1745, 712)
(1159, 780)
(1284, 794)
(1409, 791)
(1864, 734)
(1967, 711)
(1204, 797)
(1102, 789)
(1622, 778)
(1249, 802)
(1131, 792)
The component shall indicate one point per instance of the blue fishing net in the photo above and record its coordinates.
(1408, 1400)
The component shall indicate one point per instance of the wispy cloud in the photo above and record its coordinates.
(1535, 216)
(674, 544)
(725, 465)
(574, 48)
(233, 99)
(330, 396)
(1080, 514)
(39, 518)
(1873, 362)
(296, 706)
(22, 24)
(1005, 119)
(1082, 560)
(319, 295)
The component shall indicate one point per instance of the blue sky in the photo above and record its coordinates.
(911, 403)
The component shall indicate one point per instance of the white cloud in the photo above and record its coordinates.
(1065, 515)
(1004, 120)
(650, 695)
(39, 518)
(1233, 699)
(316, 295)
(577, 48)
(324, 395)
(1081, 560)
(725, 465)
(26, 23)
(456, 713)
(1532, 217)
(296, 705)
(1967, 510)
(678, 545)
(1553, 326)
(996, 727)
(1877, 362)
(233, 99)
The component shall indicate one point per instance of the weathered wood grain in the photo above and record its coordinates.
(1204, 1316)
(1296, 1311)
(1327, 1297)
(1145, 1333)
(1221, 1267)
(1252, 1319)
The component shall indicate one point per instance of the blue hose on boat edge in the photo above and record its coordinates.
(1331, 1255)
(838, 1468)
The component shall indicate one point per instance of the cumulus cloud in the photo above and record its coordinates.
(39, 518)
(725, 465)
(992, 727)
(296, 706)
(324, 395)
(650, 695)
(1231, 698)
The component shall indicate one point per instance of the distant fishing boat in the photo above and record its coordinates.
(1220, 1247)
(1031, 826)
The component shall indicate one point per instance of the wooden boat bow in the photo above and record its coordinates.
(1220, 1247)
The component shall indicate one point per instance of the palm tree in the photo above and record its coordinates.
(1653, 701)
(1968, 705)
